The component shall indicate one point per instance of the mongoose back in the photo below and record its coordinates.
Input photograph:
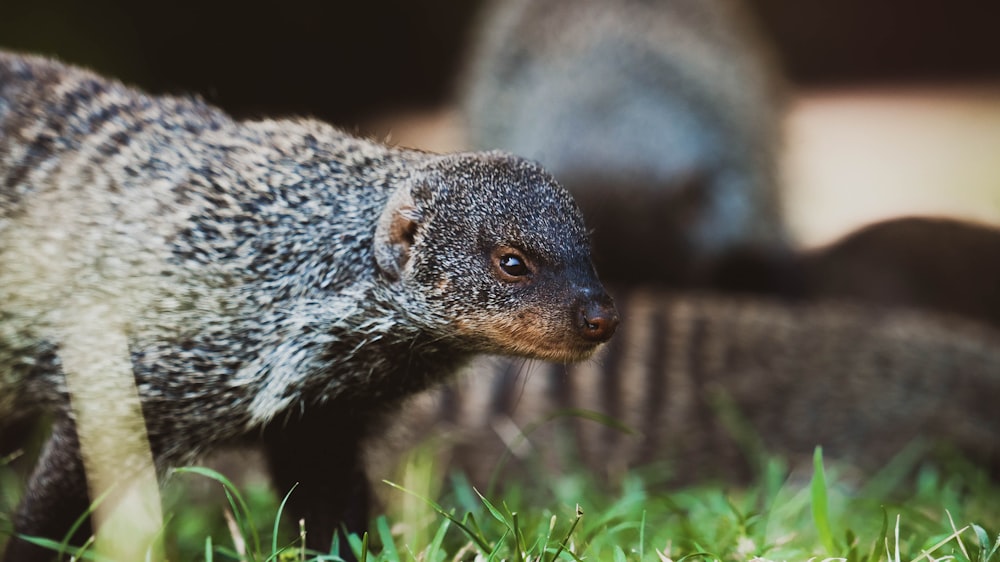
(274, 281)
(933, 263)
(662, 118)
(701, 378)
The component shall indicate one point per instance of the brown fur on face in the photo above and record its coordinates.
(530, 333)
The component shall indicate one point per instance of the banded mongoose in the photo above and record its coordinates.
(662, 118)
(707, 381)
(278, 281)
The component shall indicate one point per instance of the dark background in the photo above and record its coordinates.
(348, 62)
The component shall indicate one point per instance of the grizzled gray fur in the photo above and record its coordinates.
(663, 118)
(707, 381)
(278, 281)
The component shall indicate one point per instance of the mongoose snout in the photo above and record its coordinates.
(598, 318)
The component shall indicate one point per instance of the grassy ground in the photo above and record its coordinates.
(944, 512)
(932, 517)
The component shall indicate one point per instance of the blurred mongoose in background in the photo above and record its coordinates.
(706, 382)
(273, 281)
(662, 118)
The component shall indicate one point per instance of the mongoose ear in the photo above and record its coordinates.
(394, 233)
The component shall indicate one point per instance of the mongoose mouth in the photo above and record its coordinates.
(552, 337)
(555, 351)
(574, 355)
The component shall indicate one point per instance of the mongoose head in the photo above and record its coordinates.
(499, 256)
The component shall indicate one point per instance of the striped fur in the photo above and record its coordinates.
(861, 380)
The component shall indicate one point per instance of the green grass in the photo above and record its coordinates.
(937, 515)
(949, 513)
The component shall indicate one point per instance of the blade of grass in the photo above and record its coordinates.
(873, 555)
(496, 549)
(474, 525)
(519, 545)
(820, 508)
(569, 534)
(961, 543)
(984, 542)
(996, 547)
(852, 546)
(277, 521)
(55, 546)
(889, 553)
(241, 511)
(385, 535)
(693, 555)
(483, 546)
(435, 546)
(63, 546)
(927, 553)
(493, 510)
(642, 537)
(356, 543)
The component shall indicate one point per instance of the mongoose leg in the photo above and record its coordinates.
(319, 454)
(56, 496)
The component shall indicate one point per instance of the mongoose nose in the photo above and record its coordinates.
(597, 319)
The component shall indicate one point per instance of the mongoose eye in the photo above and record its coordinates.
(513, 265)
(510, 265)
